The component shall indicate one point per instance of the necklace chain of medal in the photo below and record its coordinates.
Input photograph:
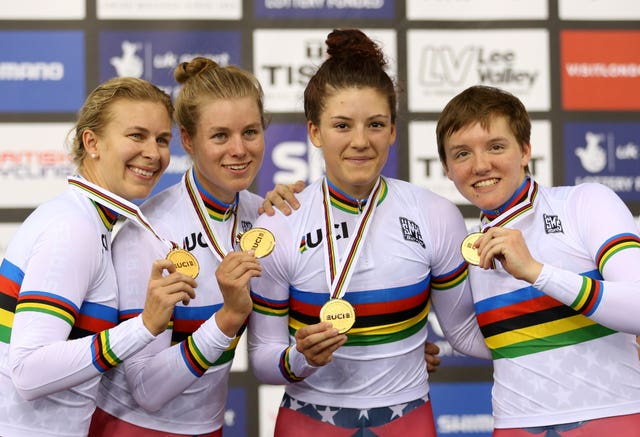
(184, 260)
(338, 311)
(260, 240)
(467, 248)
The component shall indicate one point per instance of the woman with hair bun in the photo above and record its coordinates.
(340, 310)
(177, 385)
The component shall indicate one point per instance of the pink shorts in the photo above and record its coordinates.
(618, 426)
(104, 424)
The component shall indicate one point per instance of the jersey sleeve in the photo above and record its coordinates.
(450, 289)
(161, 371)
(272, 351)
(611, 295)
(56, 279)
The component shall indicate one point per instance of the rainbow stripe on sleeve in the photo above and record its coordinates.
(48, 303)
(270, 307)
(184, 322)
(527, 321)
(450, 279)
(193, 358)
(89, 319)
(285, 367)
(11, 277)
(614, 245)
(103, 357)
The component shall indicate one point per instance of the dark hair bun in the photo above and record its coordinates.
(353, 44)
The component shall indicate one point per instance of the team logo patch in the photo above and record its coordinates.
(245, 225)
(552, 224)
(411, 231)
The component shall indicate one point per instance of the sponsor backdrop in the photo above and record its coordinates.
(575, 64)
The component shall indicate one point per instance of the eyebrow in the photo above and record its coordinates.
(497, 139)
(344, 117)
(148, 132)
(455, 147)
(212, 129)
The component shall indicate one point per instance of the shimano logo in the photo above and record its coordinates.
(31, 71)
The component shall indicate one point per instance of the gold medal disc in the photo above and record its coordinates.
(260, 240)
(469, 252)
(339, 313)
(185, 262)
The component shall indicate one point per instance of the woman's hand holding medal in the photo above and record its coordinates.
(318, 342)
(504, 245)
(233, 276)
(163, 293)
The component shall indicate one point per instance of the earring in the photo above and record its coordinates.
(94, 156)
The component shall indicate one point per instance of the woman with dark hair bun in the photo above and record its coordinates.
(340, 310)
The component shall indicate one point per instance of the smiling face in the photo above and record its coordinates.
(228, 147)
(486, 165)
(355, 133)
(132, 151)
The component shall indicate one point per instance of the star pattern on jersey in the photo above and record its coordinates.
(328, 414)
(295, 405)
(352, 418)
(397, 410)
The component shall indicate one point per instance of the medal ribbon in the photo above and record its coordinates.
(338, 277)
(515, 212)
(203, 217)
(120, 205)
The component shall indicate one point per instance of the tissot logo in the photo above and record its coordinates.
(283, 74)
(284, 60)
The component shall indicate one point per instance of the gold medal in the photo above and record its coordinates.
(260, 240)
(185, 262)
(339, 313)
(469, 252)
